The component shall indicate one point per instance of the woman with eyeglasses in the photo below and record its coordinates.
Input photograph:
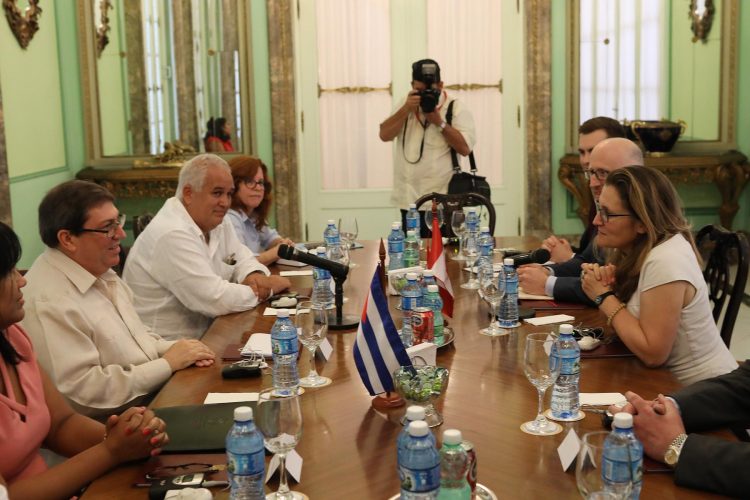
(652, 289)
(33, 413)
(251, 203)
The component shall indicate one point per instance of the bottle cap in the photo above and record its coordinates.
(452, 437)
(282, 313)
(331, 222)
(412, 205)
(508, 261)
(320, 250)
(414, 413)
(623, 420)
(566, 329)
(243, 414)
(411, 276)
(395, 225)
(428, 272)
(485, 229)
(432, 288)
(411, 232)
(418, 428)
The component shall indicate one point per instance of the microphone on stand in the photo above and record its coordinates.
(538, 256)
(336, 269)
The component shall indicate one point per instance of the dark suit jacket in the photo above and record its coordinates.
(712, 463)
(568, 284)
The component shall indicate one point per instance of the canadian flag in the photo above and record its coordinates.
(436, 262)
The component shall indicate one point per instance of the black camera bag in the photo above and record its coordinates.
(465, 182)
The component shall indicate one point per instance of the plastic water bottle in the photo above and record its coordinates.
(285, 348)
(565, 403)
(412, 219)
(428, 278)
(419, 465)
(396, 247)
(484, 262)
(334, 251)
(509, 304)
(471, 245)
(453, 464)
(411, 249)
(433, 300)
(411, 297)
(322, 295)
(621, 465)
(245, 457)
(414, 413)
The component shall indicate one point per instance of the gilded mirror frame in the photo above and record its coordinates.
(87, 42)
(727, 140)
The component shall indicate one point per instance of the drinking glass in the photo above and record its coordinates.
(458, 224)
(312, 325)
(492, 290)
(589, 469)
(440, 217)
(471, 257)
(348, 231)
(542, 370)
(279, 419)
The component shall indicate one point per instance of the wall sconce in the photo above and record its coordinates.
(701, 17)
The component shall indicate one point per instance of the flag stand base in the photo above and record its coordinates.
(387, 400)
(343, 323)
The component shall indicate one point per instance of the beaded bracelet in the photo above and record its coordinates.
(614, 313)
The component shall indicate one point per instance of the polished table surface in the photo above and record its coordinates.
(349, 448)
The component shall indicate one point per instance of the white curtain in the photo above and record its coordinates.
(464, 38)
(623, 63)
(354, 51)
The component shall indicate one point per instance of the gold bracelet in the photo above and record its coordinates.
(614, 313)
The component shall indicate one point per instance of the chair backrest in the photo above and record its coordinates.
(725, 249)
(453, 202)
(139, 224)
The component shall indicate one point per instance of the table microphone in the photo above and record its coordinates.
(538, 256)
(336, 269)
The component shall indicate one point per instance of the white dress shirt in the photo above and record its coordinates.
(89, 338)
(180, 281)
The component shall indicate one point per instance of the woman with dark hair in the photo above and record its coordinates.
(251, 203)
(652, 289)
(33, 413)
(218, 138)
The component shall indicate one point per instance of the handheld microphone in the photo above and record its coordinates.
(538, 256)
(336, 269)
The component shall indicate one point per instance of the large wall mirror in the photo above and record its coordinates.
(643, 60)
(156, 72)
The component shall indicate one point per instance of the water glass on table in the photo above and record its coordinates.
(541, 370)
(348, 231)
(312, 327)
(458, 224)
(590, 469)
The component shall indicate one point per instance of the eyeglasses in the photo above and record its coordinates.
(111, 229)
(605, 215)
(255, 184)
(599, 173)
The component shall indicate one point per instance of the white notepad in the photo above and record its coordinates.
(258, 342)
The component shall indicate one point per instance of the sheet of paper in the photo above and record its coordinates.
(548, 320)
(306, 272)
(293, 465)
(258, 342)
(568, 449)
(293, 263)
(425, 350)
(230, 397)
(527, 296)
(326, 349)
(601, 398)
(271, 311)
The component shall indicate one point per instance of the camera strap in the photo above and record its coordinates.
(421, 146)
(454, 155)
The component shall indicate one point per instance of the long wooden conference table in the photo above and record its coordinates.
(349, 448)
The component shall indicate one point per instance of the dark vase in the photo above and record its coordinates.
(657, 136)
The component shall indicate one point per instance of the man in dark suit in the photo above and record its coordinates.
(563, 281)
(666, 427)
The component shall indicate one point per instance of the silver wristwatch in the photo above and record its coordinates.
(672, 455)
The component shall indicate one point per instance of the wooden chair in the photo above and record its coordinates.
(453, 202)
(724, 249)
(139, 224)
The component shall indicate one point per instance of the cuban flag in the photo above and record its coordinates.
(436, 262)
(378, 350)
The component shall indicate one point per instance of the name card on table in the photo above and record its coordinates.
(548, 320)
(230, 397)
(425, 350)
(568, 449)
(306, 272)
(326, 349)
(293, 465)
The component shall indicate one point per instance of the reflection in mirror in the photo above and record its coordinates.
(169, 67)
(633, 61)
(101, 21)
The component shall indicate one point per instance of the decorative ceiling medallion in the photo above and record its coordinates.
(25, 25)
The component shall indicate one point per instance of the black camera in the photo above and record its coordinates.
(430, 96)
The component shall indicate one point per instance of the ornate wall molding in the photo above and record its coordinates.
(283, 113)
(538, 114)
(23, 25)
(5, 214)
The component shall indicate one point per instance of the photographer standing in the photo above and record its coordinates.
(424, 139)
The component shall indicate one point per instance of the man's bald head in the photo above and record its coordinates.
(609, 155)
